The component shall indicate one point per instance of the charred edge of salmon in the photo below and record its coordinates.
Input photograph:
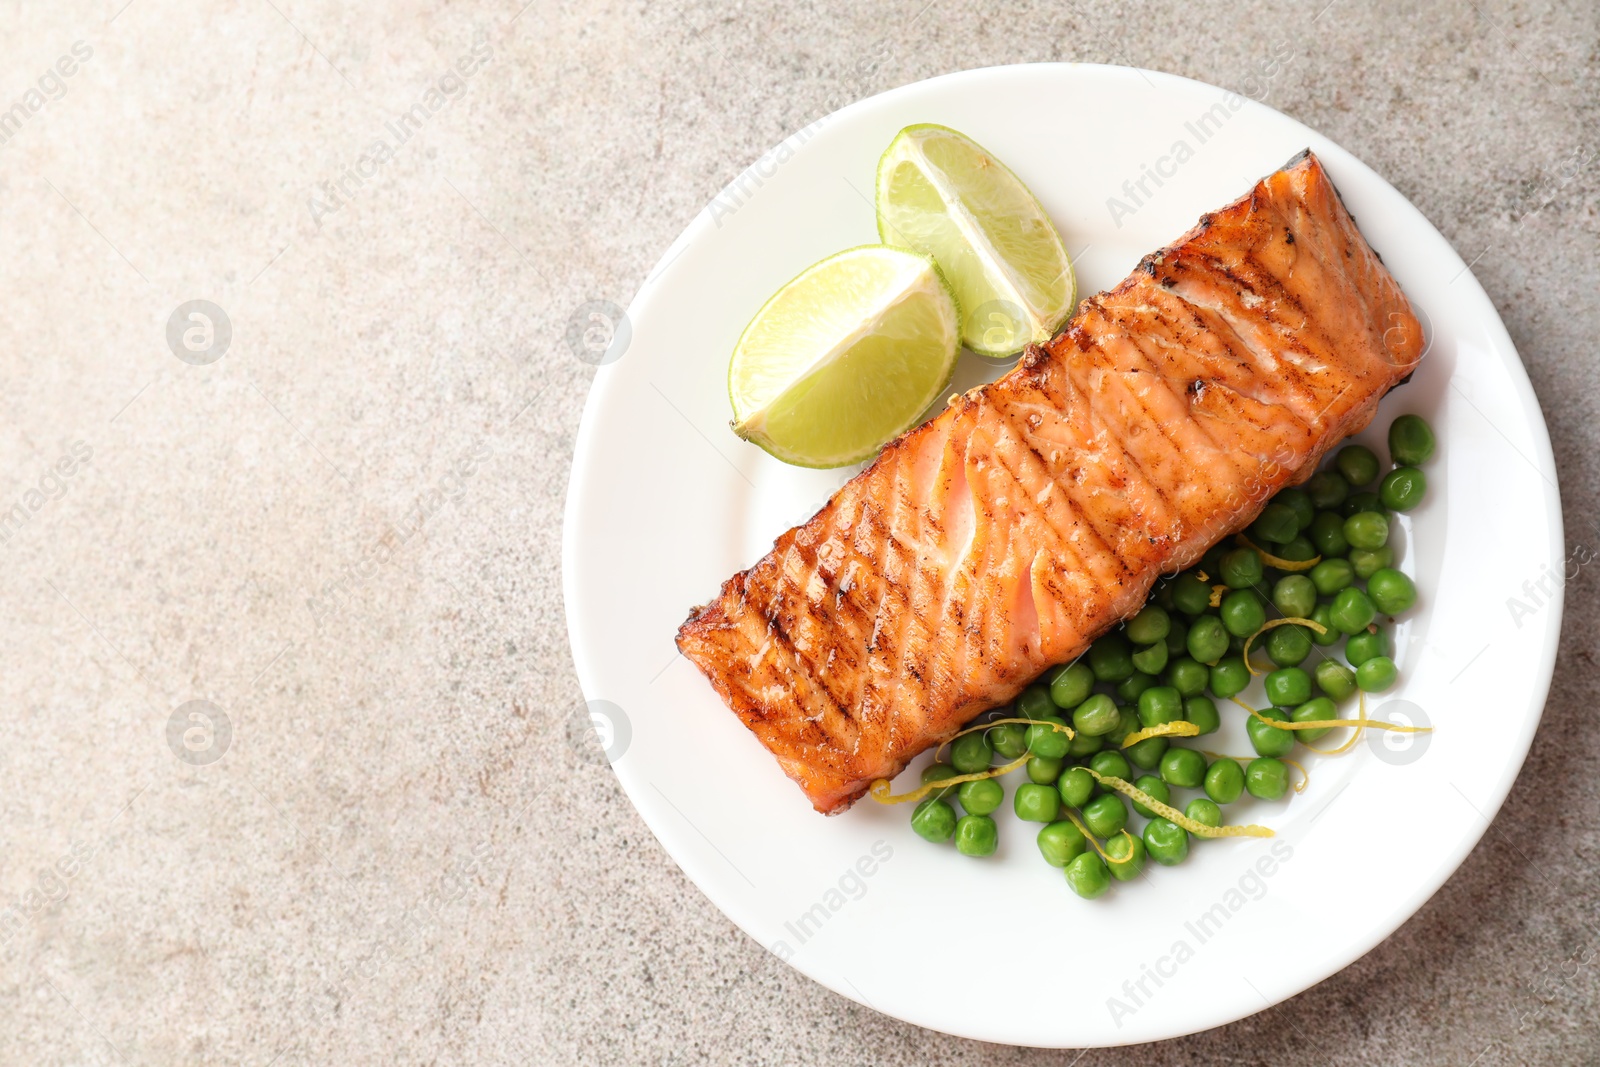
(1305, 154)
(698, 630)
(1151, 263)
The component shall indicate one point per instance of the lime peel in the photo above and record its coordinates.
(1332, 724)
(1094, 843)
(1058, 727)
(1272, 625)
(1278, 561)
(1176, 728)
(1167, 811)
(879, 789)
(1362, 722)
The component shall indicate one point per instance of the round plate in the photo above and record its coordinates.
(665, 503)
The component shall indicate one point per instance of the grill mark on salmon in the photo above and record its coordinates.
(1034, 514)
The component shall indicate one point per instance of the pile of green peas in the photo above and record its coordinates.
(1178, 657)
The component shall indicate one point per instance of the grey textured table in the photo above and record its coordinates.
(336, 518)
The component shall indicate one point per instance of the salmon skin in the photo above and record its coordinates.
(1034, 514)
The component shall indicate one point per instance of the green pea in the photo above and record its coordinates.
(1236, 643)
(1036, 803)
(971, 753)
(1134, 684)
(1327, 533)
(1403, 488)
(1208, 639)
(1149, 626)
(1242, 612)
(1357, 463)
(1177, 639)
(1105, 815)
(1035, 703)
(1297, 549)
(1323, 617)
(938, 772)
(1061, 842)
(1332, 575)
(1166, 842)
(981, 797)
(1076, 786)
(976, 835)
(1376, 674)
(1410, 441)
(1335, 679)
(934, 820)
(1146, 754)
(1275, 525)
(1269, 740)
(1352, 611)
(1288, 686)
(1369, 562)
(1071, 684)
(1203, 811)
(1224, 780)
(1183, 767)
(1044, 740)
(1127, 723)
(1299, 502)
(1151, 659)
(1097, 715)
(1365, 645)
(1267, 778)
(1361, 504)
(1203, 713)
(1084, 745)
(1129, 853)
(1159, 705)
(1288, 646)
(1110, 658)
(1391, 591)
(1327, 489)
(1162, 597)
(1320, 709)
(1190, 595)
(1241, 568)
(1230, 677)
(1043, 769)
(1187, 677)
(1155, 788)
(1009, 739)
(1087, 876)
(1111, 765)
(1295, 596)
(1366, 530)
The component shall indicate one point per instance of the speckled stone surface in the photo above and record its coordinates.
(339, 524)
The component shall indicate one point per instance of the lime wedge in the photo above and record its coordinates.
(845, 357)
(944, 196)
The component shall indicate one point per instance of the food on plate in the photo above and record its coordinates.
(1151, 653)
(1035, 514)
(1410, 441)
(945, 196)
(844, 357)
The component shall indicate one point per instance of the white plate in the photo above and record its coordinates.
(665, 503)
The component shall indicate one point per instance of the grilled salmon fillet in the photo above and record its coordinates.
(1034, 514)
